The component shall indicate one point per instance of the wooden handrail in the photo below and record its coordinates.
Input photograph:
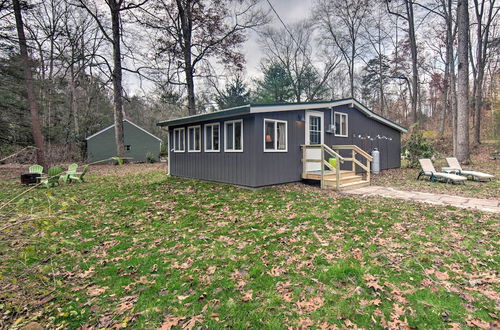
(325, 147)
(357, 149)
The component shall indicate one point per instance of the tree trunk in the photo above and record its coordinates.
(462, 152)
(187, 26)
(414, 62)
(117, 78)
(35, 119)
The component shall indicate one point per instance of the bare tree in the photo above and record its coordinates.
(485, 13)
(292, 49)
(341, 21)
(32, 99)
(462, 152)
(408, 15)
(116, 7)
(190, 32)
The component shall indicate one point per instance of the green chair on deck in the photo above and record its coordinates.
(53, 176)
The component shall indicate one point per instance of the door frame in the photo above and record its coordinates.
(308, 114)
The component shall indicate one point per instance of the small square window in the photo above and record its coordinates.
(275, 135)
(127, 147)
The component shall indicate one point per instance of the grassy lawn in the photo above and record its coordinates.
(405, 178)
(142, 250)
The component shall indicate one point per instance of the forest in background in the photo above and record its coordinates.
(94, 62)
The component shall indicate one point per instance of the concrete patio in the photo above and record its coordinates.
(486, 205)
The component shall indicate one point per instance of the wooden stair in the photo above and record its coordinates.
(348, 179)
(328, 174)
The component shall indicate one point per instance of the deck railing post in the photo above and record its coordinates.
(322, 166)
(369, 170)
(304, 163)
(353, 166)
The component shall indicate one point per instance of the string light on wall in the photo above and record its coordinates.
(368, 137)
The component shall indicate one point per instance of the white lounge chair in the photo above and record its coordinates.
(429, 171)
(454, 167)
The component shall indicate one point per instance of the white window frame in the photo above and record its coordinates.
(211, 139)
(189, 140)
(234, 135)
(342, 114)
(181, 129)
(275, 121)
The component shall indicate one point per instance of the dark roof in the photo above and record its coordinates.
(262, 108)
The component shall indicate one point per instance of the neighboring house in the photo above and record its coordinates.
(260, 145)
(139, 143)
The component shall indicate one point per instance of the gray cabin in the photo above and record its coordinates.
(260, 145)
(139, 143)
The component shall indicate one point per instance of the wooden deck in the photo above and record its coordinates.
(348, 179)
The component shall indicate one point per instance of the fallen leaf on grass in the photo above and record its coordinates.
(478, 323)
(310, 304)
(95, 290)
(126, 303)
(248, 295)
(170, 322)
(441, 276)
(192, 322)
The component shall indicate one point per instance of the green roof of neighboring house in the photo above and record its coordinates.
(262, 108)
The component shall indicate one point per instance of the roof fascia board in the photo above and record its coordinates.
(351, 102)
(142, 129)
(205, 116)
(101, 131)
(128, 121)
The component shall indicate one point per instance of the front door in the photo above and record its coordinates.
(314, 135)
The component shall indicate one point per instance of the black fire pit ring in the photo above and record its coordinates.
(30, 178)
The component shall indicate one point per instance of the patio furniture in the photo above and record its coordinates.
(428, 170)
(72, 168)
(79, 176)
(53, 176)
(36, 169)
(454, 167)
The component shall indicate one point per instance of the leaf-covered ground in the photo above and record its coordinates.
(481, 160)
(144, 251)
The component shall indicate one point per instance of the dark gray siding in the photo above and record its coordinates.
(256, 168)
(230, 167)
(279, 167)
(102, 146)
(360, 124)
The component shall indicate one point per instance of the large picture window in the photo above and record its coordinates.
(194, 139)
(275, 135)
(341, 124)
(212, 137)
(233, 136)
(179, 140)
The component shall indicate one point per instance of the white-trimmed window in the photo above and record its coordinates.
(233, 136)
(212, 137)
(341, 124)
(194, 139)
(179, 139)
(275, 135)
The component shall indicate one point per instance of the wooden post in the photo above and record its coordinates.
(353, 166)
(322, 166)
(369, 170)
(337, 175)
(304, 163)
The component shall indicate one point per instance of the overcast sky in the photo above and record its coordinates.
(290, 11)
